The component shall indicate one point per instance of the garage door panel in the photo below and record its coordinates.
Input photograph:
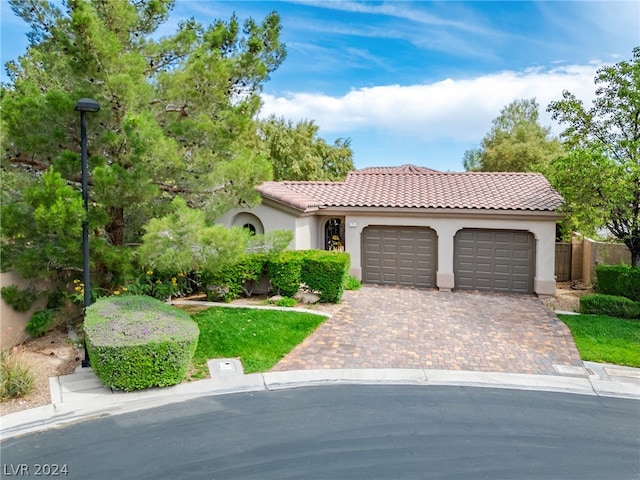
(466, 251)
(521, 254)
(390, 249)
(483, 268)
(406, 264)
(424, 250)
(503, 237)
(389, 263)
(522, 284)
(373, 248)
(374, 234)
(403, 256)
(521, 238)
(497, 260)
(520, 270)
(502, 269)
(465, 235)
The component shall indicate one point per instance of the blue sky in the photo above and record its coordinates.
(418, 82)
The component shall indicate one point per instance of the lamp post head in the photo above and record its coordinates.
(87, 105)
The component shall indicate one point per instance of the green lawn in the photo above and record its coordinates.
(605, 339)
(259, 338)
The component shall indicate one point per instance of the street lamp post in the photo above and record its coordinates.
(83, 106)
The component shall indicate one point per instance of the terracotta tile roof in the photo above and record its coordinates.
(417, 187)
(407, 168)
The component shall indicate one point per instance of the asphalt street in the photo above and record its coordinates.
(347, 432)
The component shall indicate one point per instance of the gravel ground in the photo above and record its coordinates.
(47, 356)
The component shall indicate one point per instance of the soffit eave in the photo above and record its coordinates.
(407, 212)
(287, 208)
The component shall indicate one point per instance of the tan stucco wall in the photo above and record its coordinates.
(306, 236)
(446, 229)
(309, 230)
(601, 253)
(12, 323)
(271, 218)
(306, 229)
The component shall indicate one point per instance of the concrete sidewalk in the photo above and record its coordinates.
(81, 396)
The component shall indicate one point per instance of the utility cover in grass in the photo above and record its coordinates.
(137, 342)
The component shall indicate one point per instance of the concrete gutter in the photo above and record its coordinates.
(81, 396)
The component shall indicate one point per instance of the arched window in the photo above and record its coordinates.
(248, 220)
(334, 234)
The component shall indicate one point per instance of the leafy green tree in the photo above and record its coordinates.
(297, 153)
(600, 177)
(177, 119)
(516, 143)
(183, 241)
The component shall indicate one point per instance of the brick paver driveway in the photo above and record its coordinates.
(396, 327)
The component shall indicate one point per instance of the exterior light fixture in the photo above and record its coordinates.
(83, 106)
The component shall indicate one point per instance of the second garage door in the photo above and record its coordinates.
(494, 260)
(399, 256)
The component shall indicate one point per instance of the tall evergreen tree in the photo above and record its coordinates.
(176, 119)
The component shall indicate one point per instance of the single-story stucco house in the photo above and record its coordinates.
(419, 227)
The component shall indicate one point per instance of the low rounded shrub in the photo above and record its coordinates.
(352, 283)
(40, 322)
(137, 342)
(286, 302)
(615, 306)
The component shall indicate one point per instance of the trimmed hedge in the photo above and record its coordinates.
(137, 342)
(322, 271)
(285, 272)
(621, 280)
(229, 283)
(612, 305)
(325, 272)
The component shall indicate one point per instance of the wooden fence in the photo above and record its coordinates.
(577, 260)
(563, 262)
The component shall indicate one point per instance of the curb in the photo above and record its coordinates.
(253, 307)
(80, 396)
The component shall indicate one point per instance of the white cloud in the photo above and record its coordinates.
(460, 110)
(399, 10)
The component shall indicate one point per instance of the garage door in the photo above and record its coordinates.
(494, 260)
(399, 256)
